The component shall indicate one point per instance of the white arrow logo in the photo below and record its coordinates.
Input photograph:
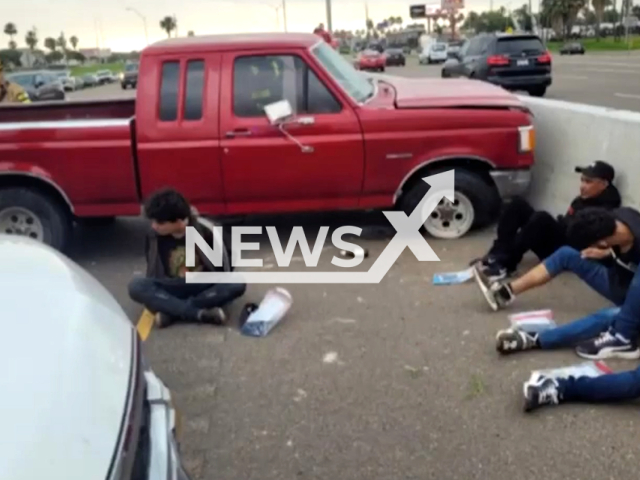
(407, 235)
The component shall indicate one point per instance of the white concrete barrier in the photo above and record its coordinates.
(571, 134)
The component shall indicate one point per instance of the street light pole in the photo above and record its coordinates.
(144, 21)
(329, 27)
(284, 14)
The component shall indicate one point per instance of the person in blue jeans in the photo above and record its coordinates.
(606, 259)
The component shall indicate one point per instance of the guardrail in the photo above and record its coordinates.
(570, 134)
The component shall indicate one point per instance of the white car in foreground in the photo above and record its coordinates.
(79, 401)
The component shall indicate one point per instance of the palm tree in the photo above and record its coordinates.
(31, 39)
(168, 24)
(50, 43)
(74, 42)
(62, 42)
(598, 7)
(11, 30)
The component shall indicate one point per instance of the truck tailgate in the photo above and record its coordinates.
(84, 148)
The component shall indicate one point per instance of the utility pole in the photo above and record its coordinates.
(329, 27)
(284, 14)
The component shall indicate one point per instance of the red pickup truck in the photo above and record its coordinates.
(198, 124)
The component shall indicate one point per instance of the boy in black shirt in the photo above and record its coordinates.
(608, 263)
(521, 228)
(164, 290)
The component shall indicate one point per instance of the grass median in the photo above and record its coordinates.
(89, 69)
(602, 45)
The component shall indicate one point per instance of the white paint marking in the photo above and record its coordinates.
(343, 320)
(331, 357)
(611, 70)
(627, 95)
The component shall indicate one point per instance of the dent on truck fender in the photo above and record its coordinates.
(437, 160)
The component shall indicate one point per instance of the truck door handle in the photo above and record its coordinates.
(240, 132)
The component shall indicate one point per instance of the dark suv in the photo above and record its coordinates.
(514, 62)
(129, 78)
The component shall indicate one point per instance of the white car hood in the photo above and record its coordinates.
(65, 354)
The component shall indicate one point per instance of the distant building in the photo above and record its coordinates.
(408, 36)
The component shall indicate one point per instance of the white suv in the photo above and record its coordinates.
(80, 402)
(434, 53)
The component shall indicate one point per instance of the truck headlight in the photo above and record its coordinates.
(526, 139)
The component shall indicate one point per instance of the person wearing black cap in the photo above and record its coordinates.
(521, 228)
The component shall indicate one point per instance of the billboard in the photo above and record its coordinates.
(418, 11)
(452, 5)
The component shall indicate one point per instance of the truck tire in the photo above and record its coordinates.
(27, 212)
(477, 203)
(537, 91)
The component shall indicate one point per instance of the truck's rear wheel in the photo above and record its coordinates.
(475, 204)
(27, 212)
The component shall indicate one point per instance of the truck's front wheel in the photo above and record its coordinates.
(29, 213)
(475, 204)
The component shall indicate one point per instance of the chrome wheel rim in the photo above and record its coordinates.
(451, 219)
(21, 221)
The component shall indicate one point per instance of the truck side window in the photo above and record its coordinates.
(261, 80)
(194, 90)
(169, 91)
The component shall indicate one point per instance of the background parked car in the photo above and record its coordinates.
(573, 48)
(90, 80)
(395, 57)
(40, 85)
(371, 60)
(129, 78)
(79, 83)
(68, 82)
(105, 76)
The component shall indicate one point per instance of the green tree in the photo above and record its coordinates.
(61, 41)
(191, 33)
(524, 18)
(50, 43)
(11, 30)
(31, 39)
(168, 24)
(74, 42)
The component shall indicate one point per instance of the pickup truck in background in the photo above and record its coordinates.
(198, 124)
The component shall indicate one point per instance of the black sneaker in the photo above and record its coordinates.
(495, 272)
(540, 391)
(162, 320)
(497, 295)
(608, 345)
(512, 340)
(214, 316)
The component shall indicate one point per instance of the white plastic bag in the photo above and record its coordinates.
(533, 322)
(584, 369)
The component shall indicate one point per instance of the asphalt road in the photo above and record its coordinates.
(398, 380)
(607, 79)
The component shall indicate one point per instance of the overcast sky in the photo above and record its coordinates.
(122, 30)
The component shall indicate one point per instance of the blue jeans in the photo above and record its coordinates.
(624, 319)
(177, 298)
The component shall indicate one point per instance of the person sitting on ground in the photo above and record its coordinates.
(608, 261)
(521, 228)
(611, 332)
(164, 290)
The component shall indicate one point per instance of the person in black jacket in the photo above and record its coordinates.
(521, 228)
(164, 290)
(606, 257)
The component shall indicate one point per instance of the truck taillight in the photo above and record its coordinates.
(527, 139)
(497, 60)
(544, 58)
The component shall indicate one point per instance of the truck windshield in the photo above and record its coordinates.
(352, 81)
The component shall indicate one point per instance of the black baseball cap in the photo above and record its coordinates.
(598, 169)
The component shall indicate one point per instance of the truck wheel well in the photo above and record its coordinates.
(479, 167)
(37, 184)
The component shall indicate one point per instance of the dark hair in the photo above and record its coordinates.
(167, 205)
(589, 226)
